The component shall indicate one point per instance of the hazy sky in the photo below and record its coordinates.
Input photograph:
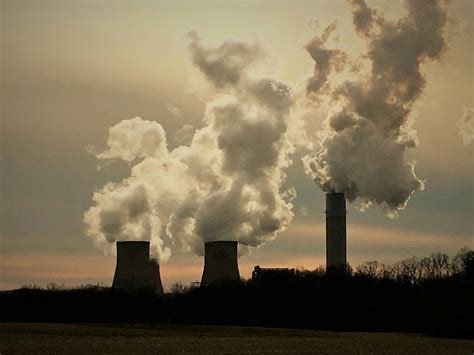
(72, 69)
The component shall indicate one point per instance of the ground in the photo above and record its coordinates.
(38, 338)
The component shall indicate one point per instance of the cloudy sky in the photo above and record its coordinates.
(70, 70)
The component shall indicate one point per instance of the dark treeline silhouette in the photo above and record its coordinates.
(432, 295)
(415, 270)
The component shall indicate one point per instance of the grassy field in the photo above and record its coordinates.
(37, 338)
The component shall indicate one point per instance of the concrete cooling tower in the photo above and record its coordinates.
(220, 262)
(135, 270)
(336, 253)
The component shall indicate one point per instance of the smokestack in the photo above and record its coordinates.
(336, 255)
(220, 262)
(134, 268)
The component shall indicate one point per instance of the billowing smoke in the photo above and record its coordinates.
(325, 60)
(363, 147)
(226, 184)
(135, 208)
(466, 126)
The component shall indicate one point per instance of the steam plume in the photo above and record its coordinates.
(363, 147)
(466, 126)
(225, 185)
(325, 60)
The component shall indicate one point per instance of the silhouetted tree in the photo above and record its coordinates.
(435, 266)
(430, 294)
(372, 269)
(466, 258)
(411, 270)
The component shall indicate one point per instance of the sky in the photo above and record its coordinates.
(70, 70)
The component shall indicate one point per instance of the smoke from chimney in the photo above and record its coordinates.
(220, 262)
(134, 269)
(363, 147)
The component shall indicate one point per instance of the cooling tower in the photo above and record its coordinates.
(336, 257)
(220, 262)
(134, 268)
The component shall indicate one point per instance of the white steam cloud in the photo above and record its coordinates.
(466, 126)
(226, 184)
(363, 147)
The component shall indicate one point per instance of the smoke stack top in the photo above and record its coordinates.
(220, 262)
(135, 270)
(335, 204)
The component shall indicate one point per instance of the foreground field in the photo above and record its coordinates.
(29, 338)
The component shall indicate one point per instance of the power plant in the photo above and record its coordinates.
(220, 262)
(336, 251)
(135, 270)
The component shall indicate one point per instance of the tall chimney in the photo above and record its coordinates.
(134, 269)
(220, 262)
(336, 254)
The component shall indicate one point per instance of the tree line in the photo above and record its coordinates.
(418, 269)
(430, 294)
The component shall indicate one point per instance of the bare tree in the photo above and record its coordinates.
(435, 266)
(411, 270)
(463, 262)
(414, 270)
(372, 269)
(441, 264)
(178, 287)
